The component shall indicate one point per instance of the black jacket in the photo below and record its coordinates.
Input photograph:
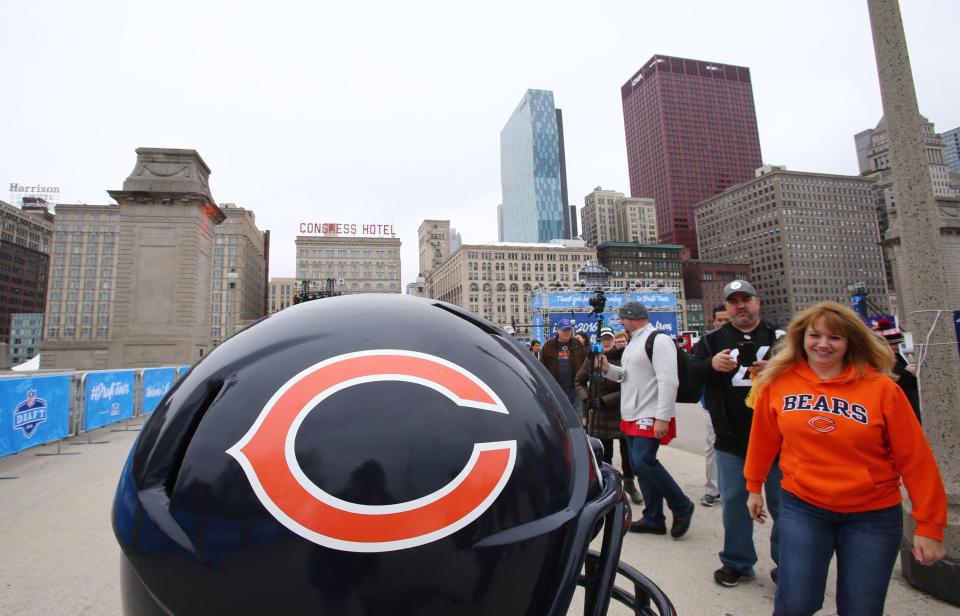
(732, 425)
(908, 383)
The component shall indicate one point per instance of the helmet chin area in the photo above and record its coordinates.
(600, 568)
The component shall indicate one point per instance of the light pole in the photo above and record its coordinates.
(232, 277)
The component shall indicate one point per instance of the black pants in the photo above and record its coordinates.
(624, 455)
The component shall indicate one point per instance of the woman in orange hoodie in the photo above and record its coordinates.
(846, 436)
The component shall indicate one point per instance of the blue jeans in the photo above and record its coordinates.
(738, 550)
(655, 482)
(866, 544)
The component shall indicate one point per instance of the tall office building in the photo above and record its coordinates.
(636, 220)
(532, 177)
(704, 281)
(26, 332)
(82, 281)
(455, 240)
(951, 140)
(495, 280)
(643, 265)
(239, 266)
(25, 235)
(500, 222)
(599, 217)
(609, 216)
(873, 155)
(433, 239)
(691, 132)
(806, 236)
(354, 264)
(282, 291)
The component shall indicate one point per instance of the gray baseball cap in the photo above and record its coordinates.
(633, 310)
(738, 286)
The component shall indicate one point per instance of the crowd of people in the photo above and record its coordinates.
(816, 427)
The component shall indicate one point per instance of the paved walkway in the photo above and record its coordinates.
(58, 554)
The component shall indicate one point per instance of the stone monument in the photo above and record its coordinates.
(161, 310)
(924, 290)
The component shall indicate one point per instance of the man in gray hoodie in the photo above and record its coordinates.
(648, 391)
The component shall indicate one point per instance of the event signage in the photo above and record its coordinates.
(664, 321)
(33, 411)
(107, 397)
(310, 228)
(581, 300)
(156, 383)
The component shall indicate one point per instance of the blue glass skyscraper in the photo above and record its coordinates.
(532, 177)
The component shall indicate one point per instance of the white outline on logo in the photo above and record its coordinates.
(290, 457)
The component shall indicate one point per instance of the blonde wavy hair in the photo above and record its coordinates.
(864, 347)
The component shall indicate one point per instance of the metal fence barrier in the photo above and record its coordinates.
(42, 407)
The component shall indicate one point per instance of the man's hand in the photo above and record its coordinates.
(660, 428)
(755, 506)
(927, 551)
(757, 367)
(912, 369)
(722, 362)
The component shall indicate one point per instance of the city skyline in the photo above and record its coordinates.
(407, 128)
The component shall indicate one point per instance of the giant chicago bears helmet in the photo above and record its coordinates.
(370, 454)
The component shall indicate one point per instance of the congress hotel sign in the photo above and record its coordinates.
(310, 228)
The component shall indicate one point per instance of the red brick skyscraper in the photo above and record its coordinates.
(691, 132)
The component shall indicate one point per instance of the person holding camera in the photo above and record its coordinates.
(648, 392)
(603, 421)
(724, 360)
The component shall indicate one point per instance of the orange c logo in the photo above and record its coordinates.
(822, 424)
(266, 454)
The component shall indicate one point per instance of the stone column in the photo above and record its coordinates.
(161, 310)
(922, 289)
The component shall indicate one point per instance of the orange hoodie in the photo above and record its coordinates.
(844, 444)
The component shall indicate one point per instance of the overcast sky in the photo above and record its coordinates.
(390, 112)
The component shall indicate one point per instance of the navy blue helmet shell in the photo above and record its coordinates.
(364, 454)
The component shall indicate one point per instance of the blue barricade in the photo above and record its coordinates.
(35, 410)
(156, 383)
(183, 370)
(107, 397)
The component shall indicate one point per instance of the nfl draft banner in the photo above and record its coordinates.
(183, 370)
(35, 410)
(586, 324)
(107, 398)
(156, 383)
(581, 299)
(537, 331)
(664, 321)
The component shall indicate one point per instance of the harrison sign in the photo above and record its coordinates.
(50, 194)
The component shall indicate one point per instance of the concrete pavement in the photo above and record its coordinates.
(58, 554)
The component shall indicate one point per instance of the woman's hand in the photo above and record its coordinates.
(755, 506)
(601, 359)
(927, 551)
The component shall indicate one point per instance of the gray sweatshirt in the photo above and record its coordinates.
(647, 391)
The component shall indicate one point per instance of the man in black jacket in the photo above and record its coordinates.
(726, 376)
(905, 371)
(563, 355)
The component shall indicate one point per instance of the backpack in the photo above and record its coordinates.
(688, 390)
